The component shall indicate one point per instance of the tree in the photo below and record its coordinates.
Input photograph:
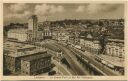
(103, 41)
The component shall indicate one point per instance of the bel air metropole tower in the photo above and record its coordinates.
(33, 27)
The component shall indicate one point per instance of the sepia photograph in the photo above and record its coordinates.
(63, 39)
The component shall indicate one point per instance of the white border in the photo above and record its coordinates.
(62, 77)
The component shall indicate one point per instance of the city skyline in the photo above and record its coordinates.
(19, 12)
(88, 47)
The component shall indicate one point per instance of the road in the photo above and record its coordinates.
(53, 47)
(91, 59)
(69, 54)
(72, 60)
(61, 68)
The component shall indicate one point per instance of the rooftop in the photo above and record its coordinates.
(18, 30)
(19, 49)
(34, 57)
(25, 53)
(116, 40)
(15, 45)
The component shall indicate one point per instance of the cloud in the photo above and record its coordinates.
(46, 9)
(60, 9)
(20, 11)
(19, 7)
(97, 8)
(80, 9)
(18, 15)
(17, 11)
(23, 11)
(41, 9)
(93, 8)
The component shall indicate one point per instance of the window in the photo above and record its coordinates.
(26, 72)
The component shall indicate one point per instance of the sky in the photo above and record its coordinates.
(20, 12)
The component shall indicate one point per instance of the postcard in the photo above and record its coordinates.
(63, 40)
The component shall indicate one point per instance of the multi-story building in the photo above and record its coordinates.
(63, 36)
(114, 47)
(14, 52)
(36, 64)
(33, 26)
(112, 22)
(72, 38)
(47, 31)
(47, 34)
(33, 33)
(18, 34)
(54, 35)
(87, 42)
(30, 34)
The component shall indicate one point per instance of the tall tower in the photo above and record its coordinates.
(33, 26)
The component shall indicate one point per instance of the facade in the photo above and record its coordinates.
(87, 44)
(72, 38)
(33, 26)
(54, 35)
(40, 36)
(116, 49)
(47, 33)
(30, 34)
(112, 22)
(33, 33)
(113, 48)
(12, 63)
(14, 52)
(63, 36)
(18, 34)
(36, 64)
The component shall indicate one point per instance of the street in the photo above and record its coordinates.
(90, 58)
